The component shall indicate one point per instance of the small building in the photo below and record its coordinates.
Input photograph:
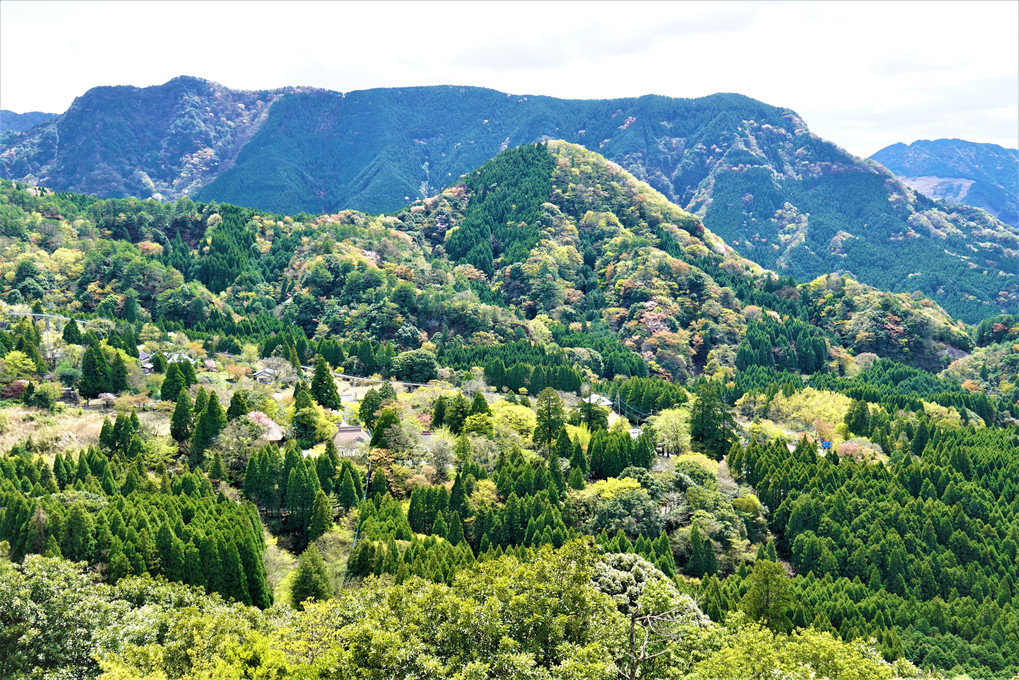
(145, 359)
(598, 400)
(265, 375)
(70, 396)
(348, 437)
(272, 431)
(179, 358)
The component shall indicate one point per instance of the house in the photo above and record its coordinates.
(265, 375)
(272, 432)
(145, 359)
(179, 358)
(348, 437)
(598, 400)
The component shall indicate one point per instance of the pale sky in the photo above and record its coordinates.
(862, 74)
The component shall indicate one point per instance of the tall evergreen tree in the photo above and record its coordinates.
(173, 383)
(323, 387)
(72, 333)
(549, 417)
(210, 423)
(238, 406)
(312, 579)
(321, 517)
(95, 373)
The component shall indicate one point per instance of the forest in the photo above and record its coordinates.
(543, 424)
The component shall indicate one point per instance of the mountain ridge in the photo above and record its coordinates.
(753, 172)
(979, 174)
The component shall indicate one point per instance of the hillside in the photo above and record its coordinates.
(982, 175)
(754, 173)
(160, 142)
(19, 122)
(772, 478)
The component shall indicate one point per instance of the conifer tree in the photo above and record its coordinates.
(455, 532)
(187, 372)
(77, 536)
(95, 373)
(173, 383)
(238, 406)
(379, 485)
(182, 420)
(234, 581)
(216, 470)
(323, 387)
(208, 426)
(72, 333)
(576, 479)
(321, 517)
(479, 405)
(368, 411)
(438, 412)
(549, 417)
(312, 579)
(346, 495)
(118, 373)
(456, 413)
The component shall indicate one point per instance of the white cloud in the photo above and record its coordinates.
(861, 74)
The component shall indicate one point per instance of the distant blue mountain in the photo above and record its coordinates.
(982, 175)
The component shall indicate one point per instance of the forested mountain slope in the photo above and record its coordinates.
(788, 487)
(19, 122)
(982, 175)
(753, 172)
(160, 142)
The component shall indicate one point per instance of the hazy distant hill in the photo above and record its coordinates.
(19, 122)
(753, 172)
(981, 175)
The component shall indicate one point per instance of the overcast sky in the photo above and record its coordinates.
(862, 74)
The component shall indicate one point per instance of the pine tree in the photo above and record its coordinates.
(347, 496)
(238, 406)
(576, 479)
(455, 532)
(95, 373)
(217, 471)
(77, 536)
(72, 334)
(321, 517)
(312, 579)
(368, 411)
(438, 413)
(182, 422)
(379, 485)
(118, 373)
(479, 404)
(711, 422)
(210, 423)
(549, 417)
(187, 372)
(173, 383)
(456, 413)
(323, 387)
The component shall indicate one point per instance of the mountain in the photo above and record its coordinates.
(160, 142)
(752, 172)
(547, 274)
(982, 175)
(19, 122)
(541, 242)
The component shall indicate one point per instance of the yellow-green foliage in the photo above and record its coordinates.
(700, 459)
(607, 489)
(802, 409)
(518, 418)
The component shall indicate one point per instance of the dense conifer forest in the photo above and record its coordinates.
(542, 424)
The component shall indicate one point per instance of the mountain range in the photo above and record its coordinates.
(982, 175)
(753, 173)
(19, 122)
